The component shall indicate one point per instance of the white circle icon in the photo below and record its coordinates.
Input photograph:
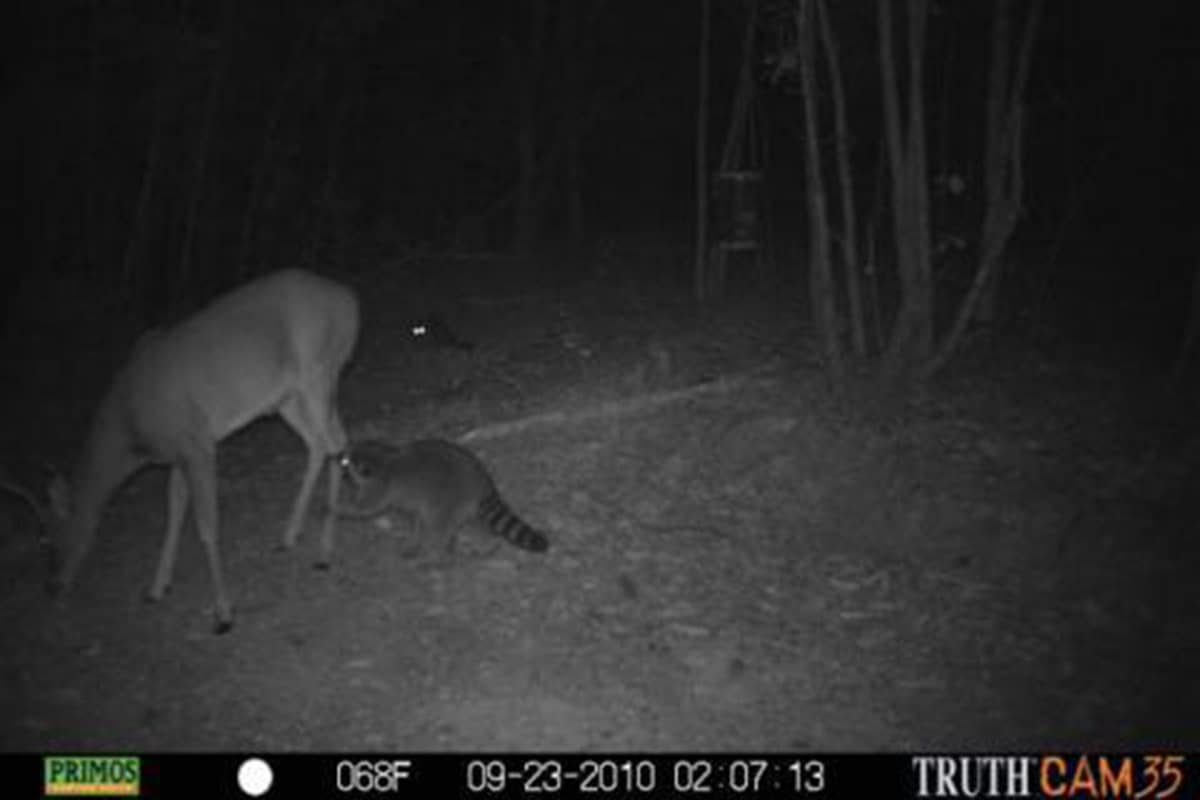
(255, 777)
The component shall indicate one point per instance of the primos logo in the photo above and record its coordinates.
(92, 776)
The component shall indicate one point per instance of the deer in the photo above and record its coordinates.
(275, 345)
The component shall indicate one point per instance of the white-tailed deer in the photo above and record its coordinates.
(275, 345)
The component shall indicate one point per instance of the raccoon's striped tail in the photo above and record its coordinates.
(501, 520)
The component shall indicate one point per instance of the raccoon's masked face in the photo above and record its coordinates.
(353, 468)
(364, 472)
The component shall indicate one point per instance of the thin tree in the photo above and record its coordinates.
(199, 180)
(1191, 332)
(700, 271)
(526, 66)
(270, 147)
(851, 266)
(911, 339)
(1003, 162)
(820, 245)
(576, 48)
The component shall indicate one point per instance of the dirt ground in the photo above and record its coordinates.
(1005, 559)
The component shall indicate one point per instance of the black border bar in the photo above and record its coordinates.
(630, 776)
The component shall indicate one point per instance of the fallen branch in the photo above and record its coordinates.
(622, 408)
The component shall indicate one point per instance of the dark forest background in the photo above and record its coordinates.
(167, 150)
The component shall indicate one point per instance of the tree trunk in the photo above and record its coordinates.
(133, 262)
(823, 291)
(912, 332)
(528, 64)
(1191, 332)
(1003, 167)
(849, 239)
(575, 48)
(212, 103)
(267, 155)
(700, 272)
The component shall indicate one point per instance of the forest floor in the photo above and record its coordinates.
(1004, 559)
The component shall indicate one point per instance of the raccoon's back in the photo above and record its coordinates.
(469, 491)
(445, 469)
(431, 477)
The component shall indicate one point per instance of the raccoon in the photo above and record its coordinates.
(434, 332)
(442, 485)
